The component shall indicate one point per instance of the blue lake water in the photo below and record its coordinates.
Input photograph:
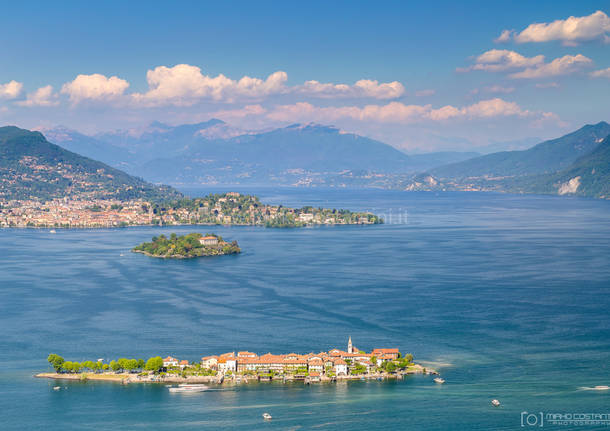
(507, 296)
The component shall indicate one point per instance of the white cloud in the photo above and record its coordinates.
(362, 88)
(603, 73)
(94, 87)
(396, 112)
(44, 96)
(246, 111)
(184, 85)
(497, 60)
(560, 66)
(10, 90)
(425, 93)
(505, 36)
(570, 31)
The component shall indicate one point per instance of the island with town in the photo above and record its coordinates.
(187, 246)
(230, 208)
(245, 367)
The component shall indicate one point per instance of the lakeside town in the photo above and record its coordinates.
(230, 208)
(245, 366)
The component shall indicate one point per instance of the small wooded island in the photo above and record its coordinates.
(187, 246)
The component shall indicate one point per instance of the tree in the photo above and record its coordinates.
(76, 367)
(114, 366)
(408, 358)
(56, 361)
(67, 366)
(390, 366)
(374, 360)
(141, 364)
(154, 364)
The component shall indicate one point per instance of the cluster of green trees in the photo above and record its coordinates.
(186, 246)
(60, 365)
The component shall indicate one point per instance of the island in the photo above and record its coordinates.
(187, 246)
(244, 367)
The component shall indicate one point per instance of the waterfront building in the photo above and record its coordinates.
(208, 240)
(170, 362)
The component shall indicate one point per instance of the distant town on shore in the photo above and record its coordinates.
(230, 208)
(243, 366)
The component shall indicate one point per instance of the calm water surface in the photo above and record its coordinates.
(508, 296)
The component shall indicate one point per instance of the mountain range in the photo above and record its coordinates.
(214, 152)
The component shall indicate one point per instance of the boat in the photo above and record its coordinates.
(439, 380)
(52, 231)
(56, 388)
(495, 403)
(186, 388)
(267, 416)
(601, 388)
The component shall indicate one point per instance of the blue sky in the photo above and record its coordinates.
(425, 82)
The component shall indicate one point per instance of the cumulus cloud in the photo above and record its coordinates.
(94, 87)
(497, 60)
(570, 31)
(396, 112)
(603, 73)
(184, 85)
(363, 88)
(10, 90)
(44, 96)
(560, 66)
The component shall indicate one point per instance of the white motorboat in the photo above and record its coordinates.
(267, 416)
(186, 388)
(495, 403)
(56, 388)
(439, 380)
(52, 231)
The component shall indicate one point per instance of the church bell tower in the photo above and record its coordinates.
(350, 347)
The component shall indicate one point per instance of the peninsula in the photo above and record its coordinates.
(187, 246)
(229, 208)
(244, 366)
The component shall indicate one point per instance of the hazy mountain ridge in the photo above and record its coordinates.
(214, 152)
(546, 157)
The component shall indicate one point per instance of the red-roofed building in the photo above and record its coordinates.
(208, 240)
(392, 353)
(170, 362)
(184, 363)
(209, 361)
(246, 354)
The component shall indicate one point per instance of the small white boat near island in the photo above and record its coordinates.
(267, 416)
(52, 231)
(56, 388)
(188, 388)
(495, 403)
(439, 380)
(595, 388)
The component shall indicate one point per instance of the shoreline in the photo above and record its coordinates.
(126, 378)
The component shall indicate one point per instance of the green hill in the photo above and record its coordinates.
(587, 176)
(31, 167)
(546, 157)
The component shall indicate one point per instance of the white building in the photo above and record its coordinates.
(170, 362)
